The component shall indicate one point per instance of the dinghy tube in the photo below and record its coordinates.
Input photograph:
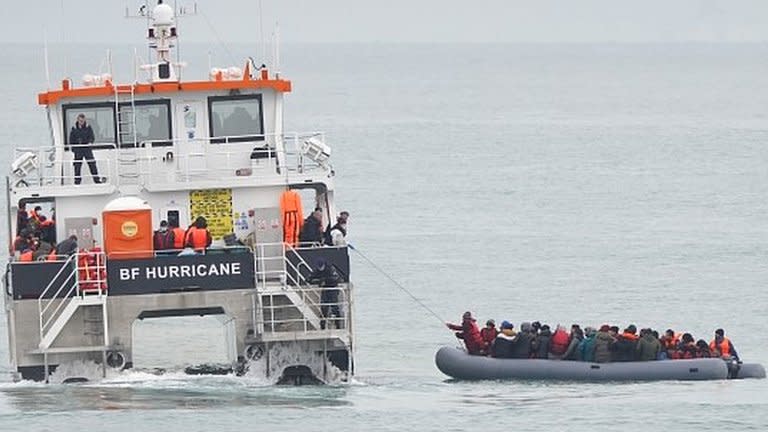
(456, 363)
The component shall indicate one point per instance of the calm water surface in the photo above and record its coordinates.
(591, 184)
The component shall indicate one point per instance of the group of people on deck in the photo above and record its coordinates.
(172, 238)
(602, 345)
(36, 235)
(312, 232)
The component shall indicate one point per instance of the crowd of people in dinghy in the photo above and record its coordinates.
(602, 345)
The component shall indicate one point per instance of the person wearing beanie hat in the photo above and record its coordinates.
(489, 332)
(504, 343)
(470, 334)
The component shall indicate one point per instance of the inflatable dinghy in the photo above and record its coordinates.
(456, 363)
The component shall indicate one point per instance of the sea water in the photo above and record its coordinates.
(562, 183)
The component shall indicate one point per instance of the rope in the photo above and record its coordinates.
(380, 270)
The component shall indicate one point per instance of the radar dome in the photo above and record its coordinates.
(162, 15)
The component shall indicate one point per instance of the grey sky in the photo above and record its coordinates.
(404, 20)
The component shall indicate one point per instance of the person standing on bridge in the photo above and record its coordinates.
(80, 139)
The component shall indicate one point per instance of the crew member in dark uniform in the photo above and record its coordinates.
(327, 278)
(80, 138)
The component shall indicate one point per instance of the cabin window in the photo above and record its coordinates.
(235, 118)
(153, 123)
(101, 117)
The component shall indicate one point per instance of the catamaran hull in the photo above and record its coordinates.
(457, 364)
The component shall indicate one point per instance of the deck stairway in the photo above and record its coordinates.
(288, 307)
(76, 285)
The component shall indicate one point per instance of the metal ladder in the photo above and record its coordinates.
(127, 137)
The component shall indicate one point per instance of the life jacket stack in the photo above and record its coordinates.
(91, 270)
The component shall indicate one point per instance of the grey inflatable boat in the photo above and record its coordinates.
(456, 363)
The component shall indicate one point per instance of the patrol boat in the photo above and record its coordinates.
(166, 149)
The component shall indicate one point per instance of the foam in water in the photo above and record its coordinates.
(282, 355)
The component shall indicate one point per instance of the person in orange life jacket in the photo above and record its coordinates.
(22, 219)
(178, 235)
(625, 347)
(22, 241)
(469, 332)
(686, 349)
(558, 344)
(34, 216)
(721, 346)
(26, 255)
(702, 349)
(541, 343)
(163, 238)
(198, 236)
(489, 332)
(669, 342)
(80, 138)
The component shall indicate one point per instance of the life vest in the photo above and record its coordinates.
(197, 238)
(671, 343)
(52, 256)
(724, 347)
(559, 342)
(162, 240)
(92, 271)
(291, 214)
(26, 256)
(34, 217)
(630, 336)
(178, 238)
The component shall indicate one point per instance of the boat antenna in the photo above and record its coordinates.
(216, 35)
(45, 55)
(397, 284)
(63, 40)
(261, 31)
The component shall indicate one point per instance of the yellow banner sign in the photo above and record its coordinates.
(215, 205)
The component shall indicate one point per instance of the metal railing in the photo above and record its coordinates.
(50, 306)
(305, 298)
(179, 160)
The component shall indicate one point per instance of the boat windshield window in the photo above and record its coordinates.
(236, 118)
(101, 117)
(153, 123)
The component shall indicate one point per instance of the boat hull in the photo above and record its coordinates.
(457, 364)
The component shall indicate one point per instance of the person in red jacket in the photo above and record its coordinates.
(469, 332)
(489, 332)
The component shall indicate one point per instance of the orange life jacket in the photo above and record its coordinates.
(33, 216)
(559, 342)
(630, 336)
(52, 256)
(197, 238)
(292, 216)
(178, 238)
(26, 256)
(671, 343)
(724, 347)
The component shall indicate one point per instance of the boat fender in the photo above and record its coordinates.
(116, 360)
